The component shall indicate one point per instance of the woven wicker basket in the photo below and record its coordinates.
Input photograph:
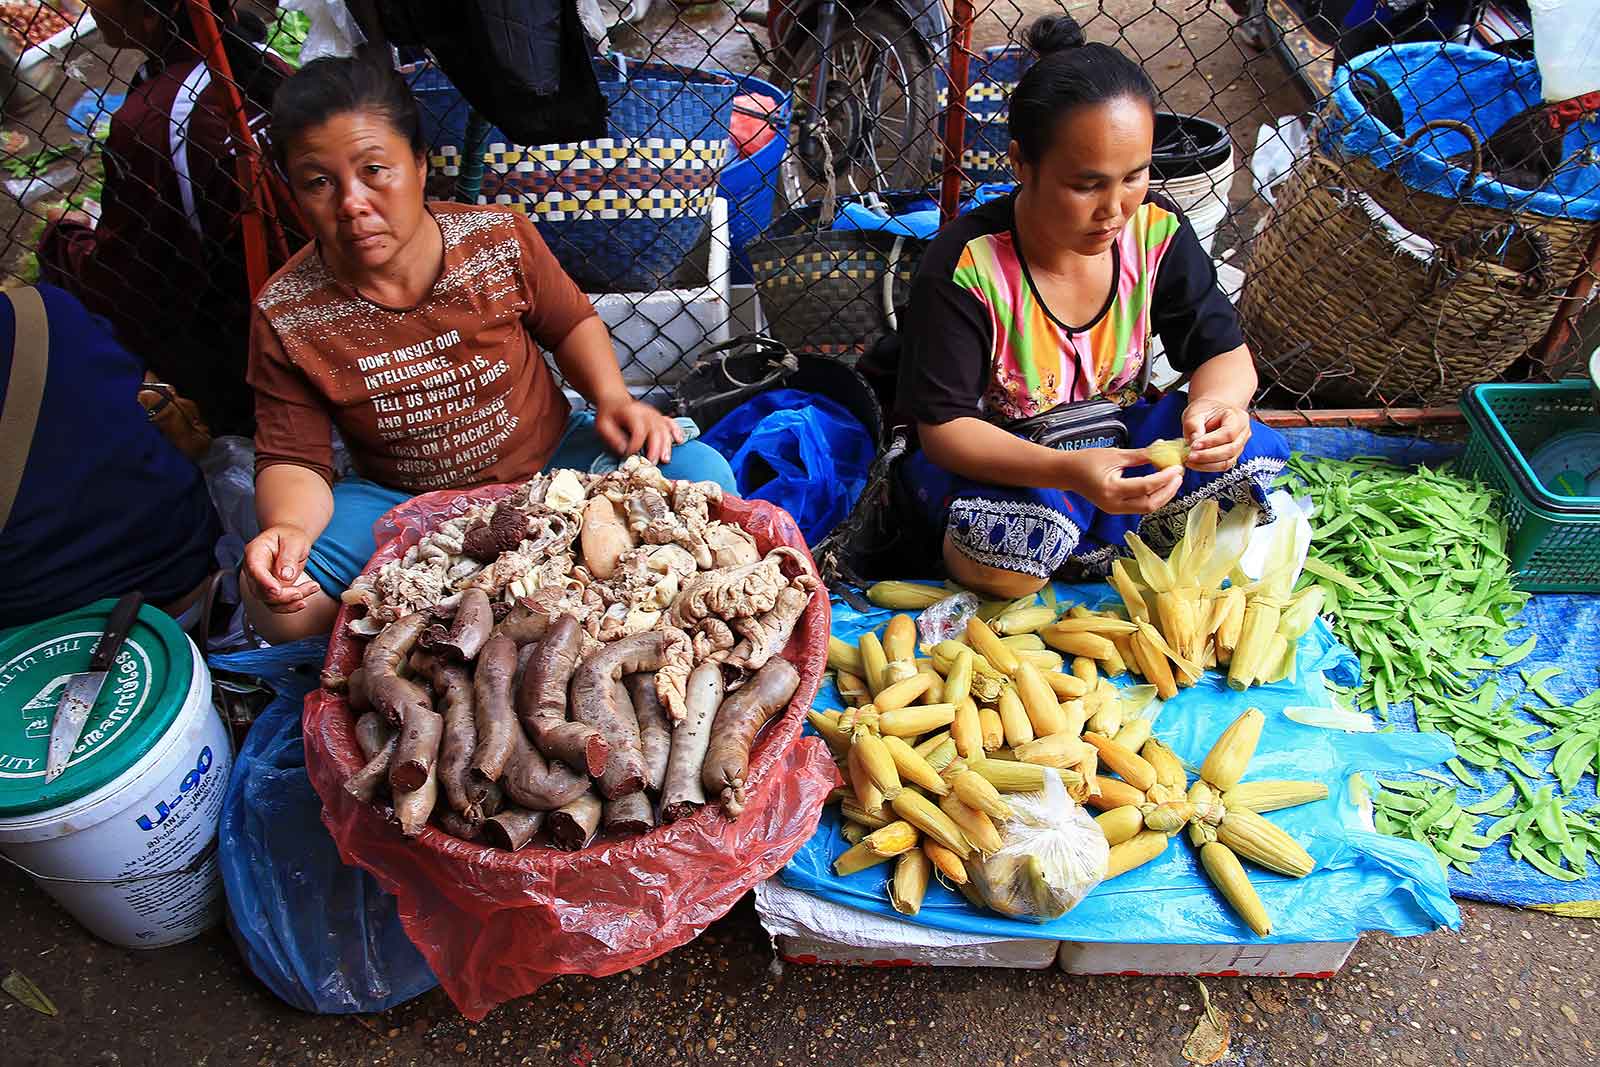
(1336, 306)
(832, 291)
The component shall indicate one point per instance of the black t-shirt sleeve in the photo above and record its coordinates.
(1189, 311)
(946, 340)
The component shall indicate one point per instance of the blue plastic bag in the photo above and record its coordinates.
(1363, 880)
(800, 451)
(321, 935)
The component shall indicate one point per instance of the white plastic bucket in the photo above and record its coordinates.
(135, 861)
(1203, 198)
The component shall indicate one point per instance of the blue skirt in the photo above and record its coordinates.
(1049, 532)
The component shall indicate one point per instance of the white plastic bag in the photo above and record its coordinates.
(1054, 855)
(333, 31)
(1566, 44)
(1278, 148)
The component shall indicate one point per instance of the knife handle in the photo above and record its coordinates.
(116, 631)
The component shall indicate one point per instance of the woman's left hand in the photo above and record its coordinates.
(1216, 432)
(628, 426)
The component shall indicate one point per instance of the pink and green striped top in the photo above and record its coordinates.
(978, 340)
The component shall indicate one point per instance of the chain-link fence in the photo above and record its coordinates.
(1382, 245)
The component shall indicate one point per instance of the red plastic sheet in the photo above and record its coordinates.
(497, 925)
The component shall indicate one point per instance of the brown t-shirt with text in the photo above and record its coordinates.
(449, 394)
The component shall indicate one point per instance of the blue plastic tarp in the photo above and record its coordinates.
(321, 935)
(1568, 628)
(1363, 880)
(1471, 85)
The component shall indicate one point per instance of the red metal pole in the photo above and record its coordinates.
(955, 112)
(258, 222)
(1571, 304)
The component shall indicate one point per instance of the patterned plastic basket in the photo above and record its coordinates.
(986, 135)
(623, 213)
(1555, 540)
(834, 291)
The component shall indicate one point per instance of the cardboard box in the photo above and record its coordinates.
(808, 929)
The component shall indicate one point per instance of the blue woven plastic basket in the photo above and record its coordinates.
(750, 185)
(620, 214)
(986, 135)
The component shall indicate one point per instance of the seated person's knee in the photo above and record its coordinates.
(990, 582)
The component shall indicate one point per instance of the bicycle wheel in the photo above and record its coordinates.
(877, 114)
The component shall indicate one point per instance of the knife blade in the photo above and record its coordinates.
(73, 709)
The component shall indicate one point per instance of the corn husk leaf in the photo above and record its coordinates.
(1232, 538)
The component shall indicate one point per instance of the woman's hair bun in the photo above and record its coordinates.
(1054, 33)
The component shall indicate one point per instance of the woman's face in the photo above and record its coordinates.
(360, 188)
(1094, 174)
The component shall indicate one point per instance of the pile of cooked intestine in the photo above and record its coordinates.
(590, 654)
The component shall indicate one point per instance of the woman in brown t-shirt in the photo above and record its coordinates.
(415, 329)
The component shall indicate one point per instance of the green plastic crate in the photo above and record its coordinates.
(1555, 540)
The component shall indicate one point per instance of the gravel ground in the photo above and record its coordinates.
(1510, 988)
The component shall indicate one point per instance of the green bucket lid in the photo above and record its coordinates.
(142, 695)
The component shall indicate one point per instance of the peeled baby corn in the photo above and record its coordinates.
(976, 791)
(917, 720)
(1114, 794)
(1169, 769)
(1078, 643)
(958, 677)
(1065, 686)
(967, 730)
(1014, 718)
(946, 862)
(876, 761)
(991, 728)
(838, 741)
(900, 694)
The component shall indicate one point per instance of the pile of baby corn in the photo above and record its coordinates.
(930, 746)
(1182, 620)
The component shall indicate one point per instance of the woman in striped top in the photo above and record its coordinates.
(1051, 297)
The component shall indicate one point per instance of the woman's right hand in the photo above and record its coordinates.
(274, 563)
(1100, 476)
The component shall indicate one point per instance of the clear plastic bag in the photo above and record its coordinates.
(946, 620)
(1054, 856)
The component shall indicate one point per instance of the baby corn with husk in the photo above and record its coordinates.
(843, 656)
(1136, 851)
(912, 768)
(991, 729)
(1120, 824)
(986, 643)
(916, 720)
(1273, 795)
(1227, 874)
(876, 761)
(977, 826)
(828, 727)
(893, 840)
(904, 693)
(868, 797)
(1039, 701)
(1225, 764)
(1014, 718)
(976, 791)
(920, 812)
(1011, 776)
(874, 664)
(910, 881)
(905, 596)
(1060, 751)
(900, 638)
(947, 863)
(1022, 620)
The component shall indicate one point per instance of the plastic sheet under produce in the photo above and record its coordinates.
(1363, 880)
(318, 933)
(497, 925)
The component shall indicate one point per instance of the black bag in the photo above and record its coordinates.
(1069, 427)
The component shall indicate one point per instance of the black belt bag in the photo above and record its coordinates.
(1069, 427)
